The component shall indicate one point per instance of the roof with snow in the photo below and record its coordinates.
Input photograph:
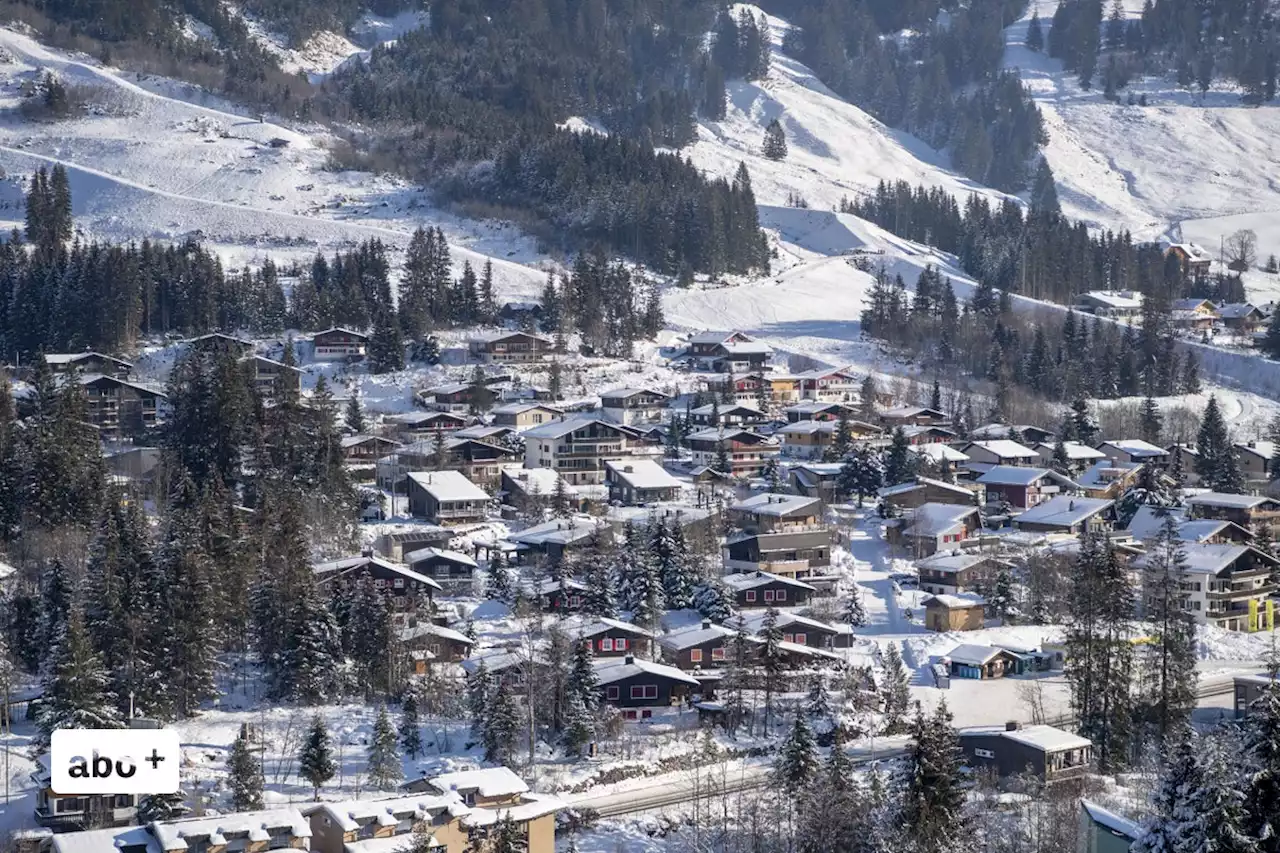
(747, 348)
(583, 626)
(1044, 738)
(1136, 448)
(448, 486)
(809, 427)
(1109, 820)
(483, 432)
(740, 409)
(932, 519)
(357, 440)
(1238, 310)
(1064, 511)
(953, 562)
(439, 554)
(1226, 500)
(1265, 449)
(956, 601)
(416, 418)
(1193, 304)
(559, 531)
(561, 428)
(642, 474)
(498, 660)
(173, 834)
(754, 622)
(939, 452)
(1117, 299)
(538, 481)
(697, 635)
(774, 504)
(999, 431)
(913, 430)
(1013, 475)
(431, 629)
(1192, 251)
(550, 586)
(104, 840)
(611, 670)
(1076, 452)
(1148, 520)
(715, 337)
(727, 434)
(487, 782)
(58, 358)
(519, 408)
(912, 412)
(973, 654)
(346, 564)
(628, 393)
(1003, 448)
(1104, 472)
(922, 482)
(1204, 558)
(751, 580)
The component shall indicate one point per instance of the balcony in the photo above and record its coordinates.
(776, 567)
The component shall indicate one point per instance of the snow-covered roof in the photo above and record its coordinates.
(951, 563)
(939, 452)
(726, 434)
(1104, 472)
(913, 430)
(715, 337)
(1192, 303)
(1192, 251)
(90, 378)
(347, 563)
(809, 427)
(439, 554)
(973, 654)
(431, 629)
(642, 474)
(911, 412)
(611, 670)
(752, 580)
(696, 636)
(539, 481)
(548, 586)
(628, 393)
(957, 601)
(172, 834)
(747, 348)
(1237, 310)
(483, 432)
(519, 408)
(1064, 511)
(1136, 448)
(583, 627)
(1226, 500)
(1076, 452)
(349, 814)
(342, 330)
(560, 531)
(931, 519)
(1148, 520)
(486, 782)
(448, 486)
(815, 407)
(1121, 299)
(774, 504)
(921, 482)
(561, 428)
(1003, 448)
(1204, 558)
(727, 409)
(1013, 475)
(1044, 738)
(1265, 449)
(530, 806)
(416, 418)
(104, 840)
(58, 358)
(754, 622)
(357, 440)
(497, 660)
(1109, 820)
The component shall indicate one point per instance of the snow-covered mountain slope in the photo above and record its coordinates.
(1183, 157)
(157, 159)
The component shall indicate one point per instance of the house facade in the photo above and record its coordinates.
(446, 497)
(634, 405)
(511, 348)
(405, 589)
(640, 481)
(954, 612)
(633, 683)
(1050, 753)
(747, 452)
(1022, 488)
(577, 448)
(339, 344)
(728, 351)
(764, 589)
(267, 374)
(119, 408)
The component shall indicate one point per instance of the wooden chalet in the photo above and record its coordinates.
(1023, 487)
(88, 363)
(447, 498)
(267, 375)
(748, 452)
(640, 481)
(932, 527)
(764, 589)
(607, 637)
(1014, 749)
(924, 490)
(905, 416)
(339, 344)
(510, 348)
(438, 642)
(728, 351)
(405, 588)
(634, 683)
(954, 612)
(952, 572)
(119, 407)
(367, 448)
(634, 405)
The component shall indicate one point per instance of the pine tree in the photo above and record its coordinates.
(713, 600)
(1261, 780)
(899, 465)
(479, 689)
(1217, 465)
(355, 414)
(499, 585)
(817, 705)
(855, 615)
(772, 662)
(1151, 421)
(933, 797)
(76, 693)
(1162, 831)
(1035, 35)
(383, 767)
(1002, 599)
(1271, 340)
(895, 699)
(1084, 427)
(244, 772)
(410, 727)
(582, 687)
(315, 763)
(797, 764)
(842, 439)
(1217, 818)
(1169, 658)
(159, 807)
(501, 727)
(775, 141)
(386, 343)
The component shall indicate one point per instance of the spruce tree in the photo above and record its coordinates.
(160, 807)
(772, 662)
(713, 600)
(315, 763)
(501, 728)
(479, 690)
(1035, 34)
(1217, 818)
(1168, 694)
(383, 766)
(899, 465)
(410, 726)
(1261, 781)
(1084, 427)
(797, 764)
(1217, 465)
(1271, 340)
(355, 414)
(76, 692)
(775, 141)
(244, 772)
(895, 698)
(1151, 421)
(1162, 831)
(933, 798)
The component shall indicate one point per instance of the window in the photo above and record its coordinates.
(70, 804)
(611, 693)
(644, 691)
(780, 595)
(124, 801)
(620, 645)
(717, 653)
(695, 655)
(802, 638)
(575, 600)
(606, 645)
(628, 715)
(984, 753)
(399, 583)
(646, 714)
(768, 595)
(379, 583)
(751, 595)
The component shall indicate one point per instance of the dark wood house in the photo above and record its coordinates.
(763, 589)
(607, 637)
(1013, 749)
(405, 588)
(630, 682)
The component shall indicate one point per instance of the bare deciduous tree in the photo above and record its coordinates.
(1241, 249)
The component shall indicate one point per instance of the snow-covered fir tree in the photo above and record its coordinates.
(817, 704)
(1084, 427)
(797, 763)
(895, 699)
(499, 584)
(1150, 488)
(244, 774)
(641, 586)
(855, 615)
(76, 692)
(501, 728)
(677, 566)
(933, 817)
(1261, 780)
(775, 141)
(1167, 692)
(315, 762)
(410, 726)
(899, 462)
(479, 689)
(1162, 831)
(1217, 819)
(383, 766)
(713, 600)
(600, 598)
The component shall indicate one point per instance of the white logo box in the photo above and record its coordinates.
(115, 761)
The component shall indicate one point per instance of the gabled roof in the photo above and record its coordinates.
(1226, 500)
(439, 554)
(538, 481)
(1202, 558)
(357, 440)
(754, 622)
(348, 815)
(172, 834)
(923, 482)
(939, 452)
(335, 568)
(912, 412)
(53, 358)
(1238, 310)
(1136, 448)
(1002, 448)
(932, 519)
(612, 670)
(642, 474)
(1064, 511)
(430, 629)
(952, 563)
(817, 407)
(973, 654)
(342, 330)
(628, 393)
(1122, 299)
(1264, 449)
(519, 408)
(417, 418)
(746, 348)
(1192, 304)
(1109, 820)
(696, 636)
(504, 336)
(498, 660)
(561, 531)
(715, 337)
(728, 409)
(1076, 452)
(583, 627)
(999, 431)
(448, 486)
(1104, 472)
(776, 505)
(94, 378)
(1011, 475)
(1041, 737)
(809, 427)
(565, 426)
(728, 434)
(487, 782)
(956, 601)
(752, 580)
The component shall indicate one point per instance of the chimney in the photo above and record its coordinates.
(1253, 444)
(1012, 726)
(706, 623)
(1071, 505)
(366, 552)
(629, 659)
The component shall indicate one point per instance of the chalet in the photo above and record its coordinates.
(954, 612)
(530, 490)
(984, 455)
(1107, 478)
(1013, 749)
(634, 405)
(422, 424)
(457, 397)
(728, 351)
(1118, 304)
(118, 407)
(807, 439)
(969, 660)
(631, 682)
(486, 433)
(763, 589)
(554, 538)
(441, 564)
(216, 343)
(266, 374)
(905, 416)
(481, 462)
(775, 513)
(1103, 831)
(1068, 514)
(405, 588)
(931, 528)
(747, 452)
(69, 812)
(941, 456)
(1241, 318)
(1023, 488)
(815, 410)
(1255, 460)
(801, 630)
(339, 344)
(1184, 456)
(1147, 523)
(926, 434)
(952, 572)
(555, 596)
(923, 490)
(1228, 586)
(1198, 315)
(607, 637)
(816, 480)
(252, 832)
(438, 642)
(728, 415)
(640, 481)
(780, 388)
(511, 668)
(510, 348)
(396, 545)
(367, 448)
(1248, 690)
(1078, 455)
(1022, 433)
(135, 468)
(794, 554)
(829, 385)
(446, 497)
(708, 646)
(1194, 260)
(1249, 511)
(577, 448)
(88, 362)
(1135, 450)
